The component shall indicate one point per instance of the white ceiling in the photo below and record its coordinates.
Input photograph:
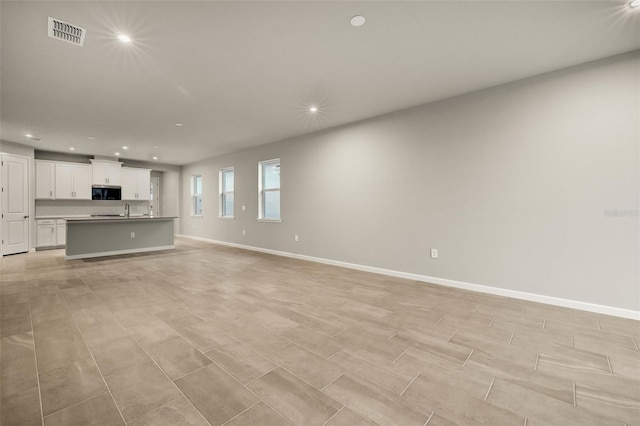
(240, 74)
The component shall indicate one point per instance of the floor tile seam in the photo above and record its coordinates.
(403, 352)
(246, 387)
(165, 404)
(334, 415)
(312, 386)
(76, 403)
(468, 358)
(104, 381)
(486, 396)
(35, 360)
(609, 363)
(433, 413)
(333, 381)
(402, 401)
(197, 369)
(291, 342)
(410, 383)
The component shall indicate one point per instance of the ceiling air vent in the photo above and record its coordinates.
(66, 32)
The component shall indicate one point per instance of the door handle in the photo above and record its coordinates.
(26, 217)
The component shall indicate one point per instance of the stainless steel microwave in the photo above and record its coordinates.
(106, 193)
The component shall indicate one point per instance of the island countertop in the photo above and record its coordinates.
(117, 218)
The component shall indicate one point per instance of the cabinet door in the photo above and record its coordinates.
(129, 184)
(114, 174)
(144, 184)
(64, 181)
(61, 233)
(46, 234)
(45, 176)
(99, 174)
(82, 182)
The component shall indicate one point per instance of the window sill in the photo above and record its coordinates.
(227, 217)
(270, 220)
(197, 216)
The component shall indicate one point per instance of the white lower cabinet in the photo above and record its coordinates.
(61, 232)
(51, 232)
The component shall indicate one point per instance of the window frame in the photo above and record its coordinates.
(222, 193)
(194, 195)
(262, 191)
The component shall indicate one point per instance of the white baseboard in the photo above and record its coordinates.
(549, 300)
(117, 252)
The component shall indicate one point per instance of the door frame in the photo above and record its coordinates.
(30, 201)
(156, 195)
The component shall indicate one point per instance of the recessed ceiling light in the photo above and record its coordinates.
(634, 4)
(155, 158)
(124, 38)
(71, 148)
(90, 138)
(179, 124)
(156, 147)
(28, 135)
(313, 109)
(357, 21)
(116, 153)
(125, 147)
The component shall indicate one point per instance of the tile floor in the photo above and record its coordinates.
(210, 335)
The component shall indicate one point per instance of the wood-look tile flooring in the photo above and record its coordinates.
(210, 335)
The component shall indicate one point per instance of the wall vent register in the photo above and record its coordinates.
(66, 32)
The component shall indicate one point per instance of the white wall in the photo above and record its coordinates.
(511, 184)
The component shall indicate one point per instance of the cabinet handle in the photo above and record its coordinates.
(52, 230)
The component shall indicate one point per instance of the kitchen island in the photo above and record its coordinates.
(109, 236)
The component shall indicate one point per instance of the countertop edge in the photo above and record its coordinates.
(119, 219)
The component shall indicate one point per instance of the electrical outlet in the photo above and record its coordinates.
(295, 238)
(133, 235)
(434, 253)
(244, 232)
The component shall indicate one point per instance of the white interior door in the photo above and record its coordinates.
(15, 204)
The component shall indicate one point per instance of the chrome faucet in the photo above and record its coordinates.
(126, 209)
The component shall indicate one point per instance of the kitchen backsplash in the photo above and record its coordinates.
(87, 207)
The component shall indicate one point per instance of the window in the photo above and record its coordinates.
(226, 192)
(269, 190)
(196, 195)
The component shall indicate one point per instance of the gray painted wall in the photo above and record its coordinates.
(512, 184)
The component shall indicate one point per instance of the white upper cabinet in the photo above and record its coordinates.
(45, 179)
(136, 184)
(107, 172)
(72, 181)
